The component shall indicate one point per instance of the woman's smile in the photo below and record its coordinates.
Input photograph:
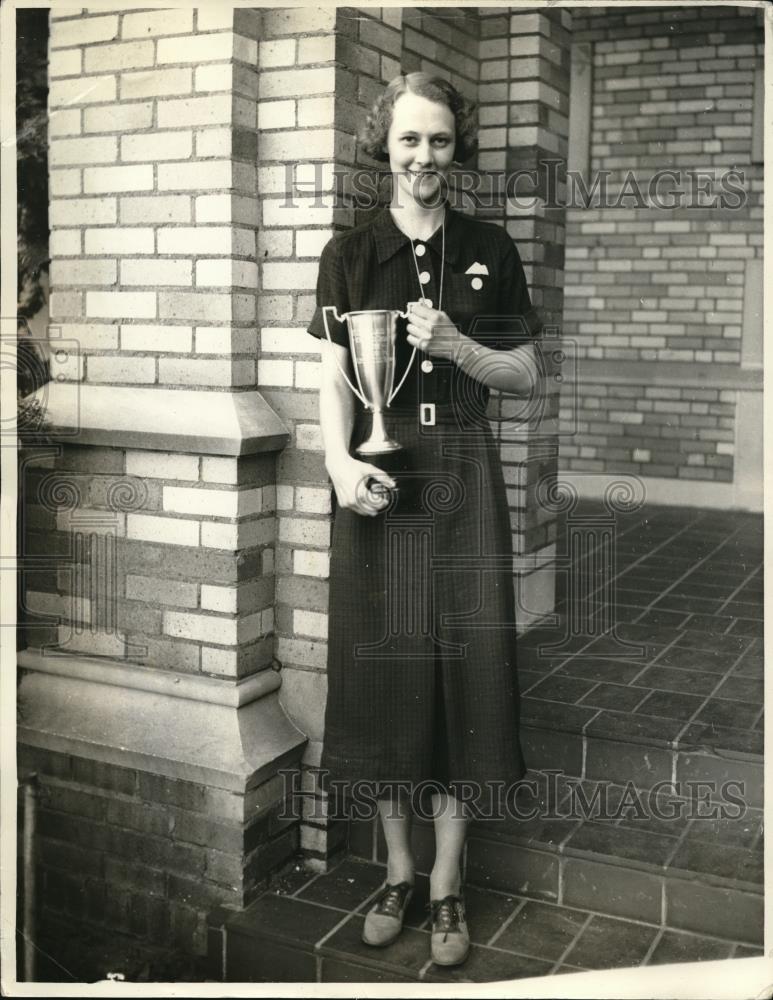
(420, 143)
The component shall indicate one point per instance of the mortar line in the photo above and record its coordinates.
(505, 924)
(562, 957)
(647, 555)
(710, 695)
(346, 918)
(648, 607)
(305, 885)
(636, 562)
(740, 586)
(653, 946)
(684, 576)
(679, 841)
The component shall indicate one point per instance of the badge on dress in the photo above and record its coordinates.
(476, 270)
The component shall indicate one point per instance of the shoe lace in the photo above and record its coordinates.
(391, 899)
(446, 914)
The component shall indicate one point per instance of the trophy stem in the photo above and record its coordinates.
(378, 441)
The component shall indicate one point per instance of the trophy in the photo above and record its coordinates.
(372, 338)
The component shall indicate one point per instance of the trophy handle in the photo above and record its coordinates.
(340, 319)
(393, 392)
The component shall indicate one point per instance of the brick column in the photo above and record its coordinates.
(524, 114)
(148, 703)
(305, 94)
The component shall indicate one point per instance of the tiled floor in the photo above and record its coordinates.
(623, 824)
(657, 643)
(658, 629)
(629, 827)
(587, 842)
(513, 936)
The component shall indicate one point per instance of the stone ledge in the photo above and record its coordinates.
(130, 721)
(197, 687)
(677, 373)
(669, 492)
(157, 419)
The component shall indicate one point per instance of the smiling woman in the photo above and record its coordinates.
(420, 143)
(422, 683)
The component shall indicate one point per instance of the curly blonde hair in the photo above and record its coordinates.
(373, 138)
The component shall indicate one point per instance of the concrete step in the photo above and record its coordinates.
(674, 710)
(307, 928)
(679, 863)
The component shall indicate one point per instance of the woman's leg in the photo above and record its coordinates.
(450, 830)
(384, 920)
(396, 816)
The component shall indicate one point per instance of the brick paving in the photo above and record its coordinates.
(580, 885)
(307, 928)
(596, 877)
(683, 591)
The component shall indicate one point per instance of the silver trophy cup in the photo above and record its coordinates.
(372, 338)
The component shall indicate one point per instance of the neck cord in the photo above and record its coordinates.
(442, 264)
(426, 365)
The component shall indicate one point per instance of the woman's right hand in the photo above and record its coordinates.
(350, 478)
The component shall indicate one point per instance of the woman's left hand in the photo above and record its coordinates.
(432, 331)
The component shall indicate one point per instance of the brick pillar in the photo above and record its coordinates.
(148, 703)
(303, 92)
(524, 114)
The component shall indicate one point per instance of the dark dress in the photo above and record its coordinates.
(422, 680)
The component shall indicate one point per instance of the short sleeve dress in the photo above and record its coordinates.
(422, 658)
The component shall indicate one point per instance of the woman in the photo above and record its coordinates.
(422, 687)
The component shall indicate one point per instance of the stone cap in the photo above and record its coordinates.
(157, 419)
(676, 373)
(207, 730)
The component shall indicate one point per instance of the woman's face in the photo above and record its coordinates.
(420, 143)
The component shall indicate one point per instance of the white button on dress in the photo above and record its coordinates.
(420, 249)
(424, 277)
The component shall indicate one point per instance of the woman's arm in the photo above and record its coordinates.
(514, 371)
(336, 419)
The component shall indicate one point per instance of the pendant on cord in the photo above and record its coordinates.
(424, 279)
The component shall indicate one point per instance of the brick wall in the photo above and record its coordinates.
(307, 95)
(157, 584)
(443, 41)
(167, 590)
(672, 89)
(524, 106)
(153, 180)
(146, 855)
(155, 280)
(664, 431)
(159, 556)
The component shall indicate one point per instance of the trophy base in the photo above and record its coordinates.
(376, 448)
